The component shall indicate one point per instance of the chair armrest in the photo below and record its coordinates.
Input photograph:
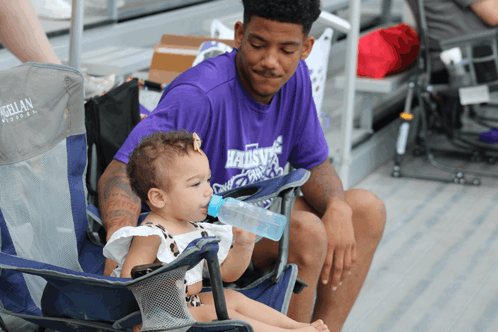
(473, 38)
(263, 190)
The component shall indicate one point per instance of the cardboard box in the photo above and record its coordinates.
(175, 54)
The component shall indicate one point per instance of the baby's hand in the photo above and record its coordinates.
(243, 237)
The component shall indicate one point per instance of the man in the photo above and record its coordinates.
(453, 18)
(254, 111)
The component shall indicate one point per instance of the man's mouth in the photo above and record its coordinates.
(266, 75)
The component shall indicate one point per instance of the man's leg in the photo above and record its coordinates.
(308, 248)
(369, 216)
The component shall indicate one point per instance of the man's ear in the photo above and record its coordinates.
(307, 47)
(238, 33)
(157, 198)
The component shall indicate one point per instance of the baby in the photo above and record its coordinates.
(171, 173)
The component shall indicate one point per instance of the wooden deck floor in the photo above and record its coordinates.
(436, 266)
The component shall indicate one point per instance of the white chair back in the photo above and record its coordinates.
(219, 30)
(317, 62)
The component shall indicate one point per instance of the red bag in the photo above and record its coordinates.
(386, 51)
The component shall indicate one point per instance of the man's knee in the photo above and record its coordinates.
(308, 238)
(370, 209)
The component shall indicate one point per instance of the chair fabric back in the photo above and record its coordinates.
(42, 173)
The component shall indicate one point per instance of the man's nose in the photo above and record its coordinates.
(270, 59)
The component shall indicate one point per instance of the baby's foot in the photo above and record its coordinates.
(319, 325)
(308, 328)
(314, 328)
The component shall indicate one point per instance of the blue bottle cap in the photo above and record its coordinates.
(214, 205)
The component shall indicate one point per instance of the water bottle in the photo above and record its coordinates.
(459, 77)
(248, 217)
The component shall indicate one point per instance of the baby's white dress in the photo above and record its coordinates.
(118, 245)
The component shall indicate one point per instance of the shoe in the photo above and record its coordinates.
(52, 9)
(102, 4)
(97, 86)
(489, 137)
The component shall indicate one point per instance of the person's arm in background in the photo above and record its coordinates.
(486, 10)
(119, 206)
(22, 33)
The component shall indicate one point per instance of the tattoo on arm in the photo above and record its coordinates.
(119, 206)
(119, 181)
(323, 184)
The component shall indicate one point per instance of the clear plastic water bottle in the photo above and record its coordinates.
(248, 217)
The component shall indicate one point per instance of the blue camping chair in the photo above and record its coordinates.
(50, 272)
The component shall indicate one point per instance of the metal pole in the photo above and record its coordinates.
(112, 9)
(349, 92)
(76, 34)
(385, 15)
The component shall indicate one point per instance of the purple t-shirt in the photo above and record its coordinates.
(245, 141)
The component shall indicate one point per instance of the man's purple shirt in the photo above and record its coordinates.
(245, 141)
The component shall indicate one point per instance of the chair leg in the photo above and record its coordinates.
(458, 176)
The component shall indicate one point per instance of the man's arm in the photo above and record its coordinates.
(325, 193)
(323, 187)
(119, 206)
(486, 10)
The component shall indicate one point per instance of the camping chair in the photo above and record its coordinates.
(317, 63)
(51, 274)
(467, 79)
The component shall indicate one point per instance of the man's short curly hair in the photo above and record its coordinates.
(303, 12)
(151, 158)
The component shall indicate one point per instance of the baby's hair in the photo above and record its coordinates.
(151, 158)
(303, 12)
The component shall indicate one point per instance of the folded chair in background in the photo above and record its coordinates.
(50, 273)
(441, 105)
(108, 120)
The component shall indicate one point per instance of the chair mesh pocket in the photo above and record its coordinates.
(161, 299)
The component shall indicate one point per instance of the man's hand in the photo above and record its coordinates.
(341, 247)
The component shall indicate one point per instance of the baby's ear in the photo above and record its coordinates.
(156, 198)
